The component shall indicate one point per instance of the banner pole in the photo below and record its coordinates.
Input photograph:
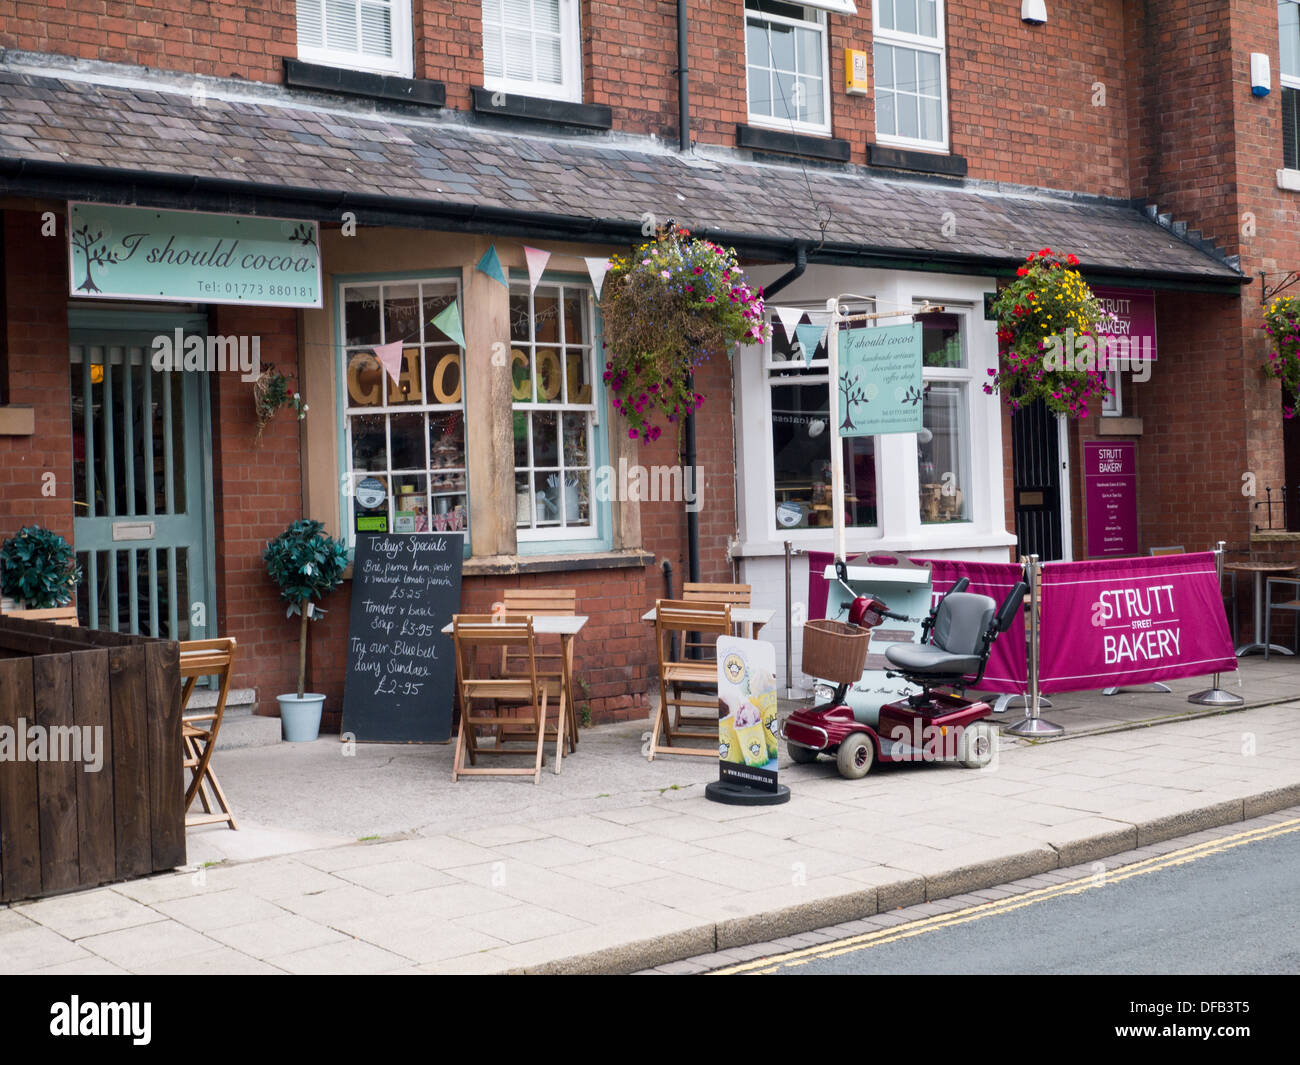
(789, 635)
(833, 410)
(1033, 724)
(1216, 696)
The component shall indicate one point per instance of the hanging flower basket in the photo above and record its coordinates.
(668, 307)
(1048, 322)
(1282, 324)
(270, 393)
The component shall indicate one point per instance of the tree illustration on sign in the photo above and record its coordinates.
(913, 395)
(851, 394)
(304, 234)
(96, 250)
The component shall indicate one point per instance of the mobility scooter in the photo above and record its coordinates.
(931, 725)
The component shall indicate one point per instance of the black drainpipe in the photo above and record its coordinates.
(683, 82)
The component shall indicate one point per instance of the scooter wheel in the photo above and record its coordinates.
(799, 754)
(856, 756)
(978, 745)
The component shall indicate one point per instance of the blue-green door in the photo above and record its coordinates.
(142, 460)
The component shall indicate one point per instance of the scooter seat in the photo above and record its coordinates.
(930, 660)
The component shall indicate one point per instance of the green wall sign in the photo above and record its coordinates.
(137, 253)
(880, 380)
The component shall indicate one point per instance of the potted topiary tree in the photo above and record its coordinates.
(307, 563)
(38, 569)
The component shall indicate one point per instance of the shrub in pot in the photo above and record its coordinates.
(306, 563)
(38, 568)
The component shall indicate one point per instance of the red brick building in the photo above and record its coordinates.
(892, 150)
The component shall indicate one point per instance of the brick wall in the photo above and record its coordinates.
(35, 293)
(257, 488)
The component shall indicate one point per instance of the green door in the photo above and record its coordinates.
(142, 461)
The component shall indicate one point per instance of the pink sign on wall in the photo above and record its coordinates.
(1131, 621)
(1134, 313)
(1110, 495)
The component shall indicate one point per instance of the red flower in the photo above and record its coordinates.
(1022, 272)
(1073, 260)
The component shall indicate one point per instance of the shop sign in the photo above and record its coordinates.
(879, 384)
(136, 253)
(1134, 314)
(1110, 489)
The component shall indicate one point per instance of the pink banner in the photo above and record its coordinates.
(1131, 621)
(1008, 668)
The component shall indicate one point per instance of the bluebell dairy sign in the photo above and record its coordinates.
(137, 253)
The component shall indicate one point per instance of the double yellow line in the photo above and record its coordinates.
(774, 963)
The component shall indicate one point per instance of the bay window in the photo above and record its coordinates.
(370, 35)
(911, 85)
(802, 438)
(944, 443)
(404, 439)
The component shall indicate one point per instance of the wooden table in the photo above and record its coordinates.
(1259, 569)
(753, 618)
(566, 627)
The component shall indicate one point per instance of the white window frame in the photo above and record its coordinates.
(1289, 177)
(570, 88)
(819, 373)
(401, 64)
(964, 376)
(936, 45)
(533, 533)
(815, 19)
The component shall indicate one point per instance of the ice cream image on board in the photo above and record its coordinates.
(762, 695)
(728, 741)
(749, 729)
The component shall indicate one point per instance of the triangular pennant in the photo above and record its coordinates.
(390, 358)
(448, 320)
(491, 265)
(537, 260)
(789, 318)
(809, 336)
(597, 268)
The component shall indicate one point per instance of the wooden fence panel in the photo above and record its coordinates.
(166, 779)
(57, 774)
(127, 690)
(96, 831)
(20, 833)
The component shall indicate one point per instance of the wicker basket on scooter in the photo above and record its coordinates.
(834, 650)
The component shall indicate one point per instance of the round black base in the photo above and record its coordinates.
(739, 795)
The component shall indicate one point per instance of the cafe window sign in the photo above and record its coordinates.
(135, 253)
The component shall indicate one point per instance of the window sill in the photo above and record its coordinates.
(507, 564)
(808, 145)
(540, 109)
(1289, 179)
(316, 76)
(921, 162)
(1111, 425)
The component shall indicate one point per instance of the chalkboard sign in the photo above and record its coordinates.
(401, 668)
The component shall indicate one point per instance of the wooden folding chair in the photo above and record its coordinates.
(202, 658)
(553, 670)
(679, 616)
(498, 632)
(733, 594)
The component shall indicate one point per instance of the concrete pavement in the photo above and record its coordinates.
(376, 862)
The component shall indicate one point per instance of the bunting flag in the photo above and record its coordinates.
(390, 358)
(448, 320)
(789, 317)
(809, 336)
(490, 264)
(597, 268)
(537, 260)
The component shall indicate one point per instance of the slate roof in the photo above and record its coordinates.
(274, 137)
